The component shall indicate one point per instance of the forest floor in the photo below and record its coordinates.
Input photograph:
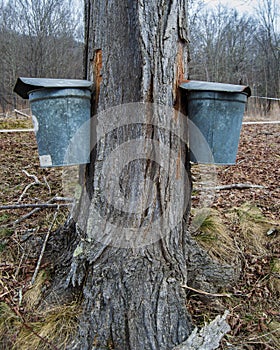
(241, 228)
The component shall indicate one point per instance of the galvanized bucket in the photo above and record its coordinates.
(61, 112)
(215, 112)
(58, 115)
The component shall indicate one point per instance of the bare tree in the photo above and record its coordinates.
(39, 39)
(221, 44)
(227, 46)
(267, 39)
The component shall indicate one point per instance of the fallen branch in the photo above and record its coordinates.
(26, 216)
(21, 113)
(38, 205)
(209, 337)
(36, 182)
(47, 184)
(6, 131)
(44, 247)
(199, 291)
(230, 187)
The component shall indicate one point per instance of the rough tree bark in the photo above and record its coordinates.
(132, 294)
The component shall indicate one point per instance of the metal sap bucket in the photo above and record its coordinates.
(215, 113)
(61, 110)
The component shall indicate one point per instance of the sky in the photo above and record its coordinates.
(243, 6)
(240, 5)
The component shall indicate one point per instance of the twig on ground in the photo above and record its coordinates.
(266, 346)
(36, 182)
(34, 177)
(62, 199)
(21, 113)
(19, 265)
(44, 247)
(206, 293)
(230, 187)
(38, 205)
(2, 295)
(265, 335)
(47, 184)
(26, 216)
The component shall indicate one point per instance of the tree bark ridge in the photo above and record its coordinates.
(132, 296)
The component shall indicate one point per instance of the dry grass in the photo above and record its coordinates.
(50, 329)
(214, 236)
(16, 123)
(253, 226)
(32, 296)
(56, 326)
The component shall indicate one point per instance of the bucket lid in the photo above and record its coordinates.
(209, 86)
(25, 85)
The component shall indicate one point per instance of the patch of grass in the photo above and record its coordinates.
(252, 226)
(52, 327)
(2, 247)
(213, 235)
(13, 123)
(9, 326)
(33, 295)
(5, 232)
(55, 326)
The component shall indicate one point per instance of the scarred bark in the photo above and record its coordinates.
(132, 295)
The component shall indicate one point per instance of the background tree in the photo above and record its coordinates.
(267, 62)
(227, 46)
(221, 46)
(38, 39)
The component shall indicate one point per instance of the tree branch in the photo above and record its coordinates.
(199, 291)
(44, 247)
(21, 113)
(229, 187)
(38, 205)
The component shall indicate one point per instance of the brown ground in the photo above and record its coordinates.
(248, 221)
(248, 224)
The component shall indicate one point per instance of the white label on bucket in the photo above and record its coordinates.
(45, 160)
(35, 123)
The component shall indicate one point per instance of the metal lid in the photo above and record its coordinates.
(25, 85)
(208, 86)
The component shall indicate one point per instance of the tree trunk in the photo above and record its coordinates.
(129, 259)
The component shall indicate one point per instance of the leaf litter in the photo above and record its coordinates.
(246, 220)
